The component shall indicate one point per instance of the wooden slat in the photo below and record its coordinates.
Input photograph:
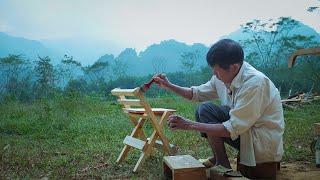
(159, 145)
(130, 102)
(156, 111)
(300, 52)
(125, 92)
(290, 100)
(134, 142)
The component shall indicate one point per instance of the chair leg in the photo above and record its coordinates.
(140, 133)
(137, 131)
(165, 141)
(147, 150)
(143, 156)
(123, 153)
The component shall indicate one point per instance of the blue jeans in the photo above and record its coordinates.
(210, 113)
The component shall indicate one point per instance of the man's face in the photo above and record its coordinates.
(224, 75)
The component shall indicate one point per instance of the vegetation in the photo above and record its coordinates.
(68, 137)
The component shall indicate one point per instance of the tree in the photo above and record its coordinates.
(45, 76)
(189, 60)
(96, 71)
(271, 44)
(267, 42)
(68, 70)
(15, 76)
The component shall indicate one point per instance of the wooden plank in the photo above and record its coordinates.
(130, 102)
(137, 131)
(134, 142)
(125, 92)
(291, 100)
(156, 111)
(307, 51)
(123, 98)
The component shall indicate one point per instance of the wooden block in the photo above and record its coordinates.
(262, 170)
(184, 167)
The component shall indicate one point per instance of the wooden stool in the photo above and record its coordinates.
(266, 170)
(139, 110)
(183, 167)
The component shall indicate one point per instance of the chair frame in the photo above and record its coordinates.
(138, 117)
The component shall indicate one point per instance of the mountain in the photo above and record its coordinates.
(164, 57)
(170, 52)
(84, 50)
(17, 45)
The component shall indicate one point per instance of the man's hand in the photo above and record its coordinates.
(179, 122)
(161, 80)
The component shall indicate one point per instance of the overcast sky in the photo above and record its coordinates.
(139, 23)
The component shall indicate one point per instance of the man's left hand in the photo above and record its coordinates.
(179, 122)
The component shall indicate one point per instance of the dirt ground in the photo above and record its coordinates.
(293, 171)
(299, 170)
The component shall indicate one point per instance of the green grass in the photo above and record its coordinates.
(61, 138)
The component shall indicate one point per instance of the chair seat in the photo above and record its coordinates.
(156, 111)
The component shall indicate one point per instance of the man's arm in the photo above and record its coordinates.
(163, 82)
(179, 122)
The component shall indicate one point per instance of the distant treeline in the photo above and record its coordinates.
(268, 46)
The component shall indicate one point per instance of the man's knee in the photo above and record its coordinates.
(207, 112)
(201, 109)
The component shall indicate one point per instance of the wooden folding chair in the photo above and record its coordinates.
(139, 110)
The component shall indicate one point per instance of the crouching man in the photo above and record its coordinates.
(250, 117)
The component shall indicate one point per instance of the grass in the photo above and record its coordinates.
(69, 137)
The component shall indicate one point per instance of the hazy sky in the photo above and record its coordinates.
(139, 23)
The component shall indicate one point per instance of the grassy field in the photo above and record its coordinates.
(71, 137)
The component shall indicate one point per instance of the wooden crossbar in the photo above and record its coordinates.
(125, 92)
(134, 142)
(130, 102)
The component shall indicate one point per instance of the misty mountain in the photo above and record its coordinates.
(162, 57)
(83, 50)
(17, 45)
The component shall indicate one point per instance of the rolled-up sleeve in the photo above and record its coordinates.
(246, 111)
(205, 91)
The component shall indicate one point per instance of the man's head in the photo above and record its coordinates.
(225, 57)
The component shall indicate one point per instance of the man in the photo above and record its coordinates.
(250, 117)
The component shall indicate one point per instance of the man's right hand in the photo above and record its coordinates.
(161, 80)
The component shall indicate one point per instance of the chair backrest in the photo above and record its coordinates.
(128, 97)
(133, 99)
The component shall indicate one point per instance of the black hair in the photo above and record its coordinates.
(224, 53)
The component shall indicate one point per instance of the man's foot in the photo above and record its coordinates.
(220, 169)
(209, 162)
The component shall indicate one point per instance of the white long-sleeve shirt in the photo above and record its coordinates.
(256, 113)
